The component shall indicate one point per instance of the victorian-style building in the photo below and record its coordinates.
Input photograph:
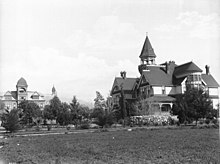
(159, 83)
(12, 98)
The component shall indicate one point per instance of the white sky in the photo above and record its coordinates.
(80, 46)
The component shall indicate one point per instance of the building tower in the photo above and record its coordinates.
(54, 92)
(147, 55)
(21, 89)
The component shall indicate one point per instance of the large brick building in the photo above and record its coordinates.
(159, 83)
(12, 98)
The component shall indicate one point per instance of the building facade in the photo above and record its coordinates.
(12, 98)
(159, 83)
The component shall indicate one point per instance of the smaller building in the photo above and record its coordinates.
(12, 98)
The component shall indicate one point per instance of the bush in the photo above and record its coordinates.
(178, 123)
(10, 120)
(201, 122)
(215, 121)
(84, 125)
(49, 127)
(37, 128)
(215, 126)
(207, 121)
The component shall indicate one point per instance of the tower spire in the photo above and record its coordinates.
(147, 54)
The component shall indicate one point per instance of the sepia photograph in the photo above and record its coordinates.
(109, 81)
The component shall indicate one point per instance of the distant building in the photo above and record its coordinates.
(158, 84)
(12, 98)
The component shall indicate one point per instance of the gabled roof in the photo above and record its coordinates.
(12, 94)
(31, 93)
(35, 94)
(8, 93)
(147, 50)
(157, 76)
(209, 80)
(186, 69)
(127, 83)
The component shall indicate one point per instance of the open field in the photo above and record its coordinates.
(182, 145)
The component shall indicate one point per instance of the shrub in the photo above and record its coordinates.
(215, 126)
(49, 127)
(215, 121)
(178, 123)
(84, 125)
(164, 123)
(10, 120)
(37, 128)
(68, 128)
(207, 121)
(201, 122)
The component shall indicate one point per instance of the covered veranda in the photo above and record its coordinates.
(160, 105)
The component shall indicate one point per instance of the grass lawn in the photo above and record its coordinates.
(182, 145)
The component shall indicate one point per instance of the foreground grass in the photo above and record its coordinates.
(138, 146)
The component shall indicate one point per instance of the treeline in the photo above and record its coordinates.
(191, 106)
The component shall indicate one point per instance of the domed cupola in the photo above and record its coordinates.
(21, 83)
(21, 89)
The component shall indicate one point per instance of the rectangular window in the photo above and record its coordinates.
(163, 90)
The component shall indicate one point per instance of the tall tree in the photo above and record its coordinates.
(192, 105)
(55, 105)
(63, 117)
(2, 105)
(48, 113)
(99, 101)
(78, 112)
(10, 120)
(29, 111)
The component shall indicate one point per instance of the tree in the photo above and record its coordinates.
(10, 120)
(193, 105)
(2, 105)
(55, 105)
(99, 101)
(30, 111)
(48, 113)
(78, 112)
(63, 117)
(102, 118)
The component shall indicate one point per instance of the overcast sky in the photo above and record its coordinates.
(81, 46)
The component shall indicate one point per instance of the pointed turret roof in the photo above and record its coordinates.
(53, 89)
(147, 50)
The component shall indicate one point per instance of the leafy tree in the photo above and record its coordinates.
(10, 120)
(63, 117)
(78, 112)
(2, 105)
(192, 105)
(55, 105)
(30, 111)
(48, 113)
(99, 101)
(102, 118)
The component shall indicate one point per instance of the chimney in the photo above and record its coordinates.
(207, 70)
(167, 68)
(123, 74)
